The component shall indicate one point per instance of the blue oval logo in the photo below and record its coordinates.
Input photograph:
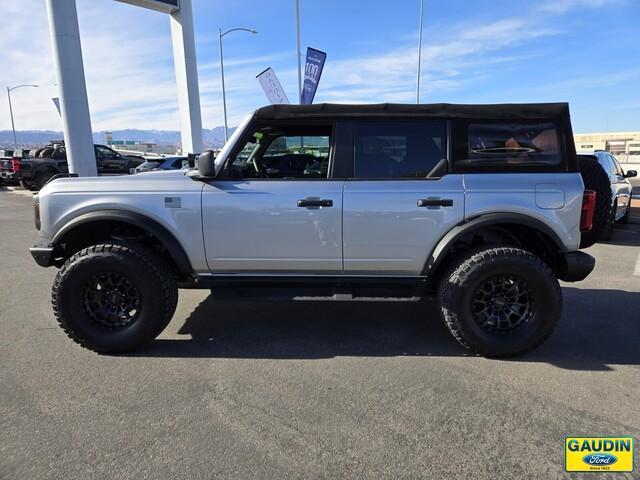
(602, 459)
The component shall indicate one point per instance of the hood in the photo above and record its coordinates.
(155, 180)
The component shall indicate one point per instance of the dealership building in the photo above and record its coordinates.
(624, 145)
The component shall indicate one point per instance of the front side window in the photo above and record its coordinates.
(512, 144)
(283, 153)
(399, 149)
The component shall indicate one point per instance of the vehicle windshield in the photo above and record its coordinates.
(219, 161)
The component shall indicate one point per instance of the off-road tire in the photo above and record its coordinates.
(469, 272)
(143, 268)
(595, 178)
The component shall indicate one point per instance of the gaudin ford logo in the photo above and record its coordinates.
(598, 454)
(600, 459)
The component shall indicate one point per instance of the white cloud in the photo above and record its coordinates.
(131, 84)
(559, 7)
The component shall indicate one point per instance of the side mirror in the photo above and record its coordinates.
(206, 166)
(631, 174)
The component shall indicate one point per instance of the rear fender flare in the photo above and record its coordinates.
(449, 239)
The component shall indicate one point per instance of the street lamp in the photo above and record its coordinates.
(224, 94)
(419, 53)
(13, 127)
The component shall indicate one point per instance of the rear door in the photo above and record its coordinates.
(399, 200)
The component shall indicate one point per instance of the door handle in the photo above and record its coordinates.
(435, 202)
(315, 202)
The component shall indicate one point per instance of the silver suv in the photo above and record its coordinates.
(482, 206)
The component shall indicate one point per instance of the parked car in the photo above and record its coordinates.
(10, 165)
(619, 206)
(163, 163)
(35, 172)
(481, 206)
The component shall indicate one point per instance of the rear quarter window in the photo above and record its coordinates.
(509, 146)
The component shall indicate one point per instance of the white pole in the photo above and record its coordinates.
(67, 57)
(224, 94)
(184, 58)
(13, 127)
(419, 52)
(298, 50)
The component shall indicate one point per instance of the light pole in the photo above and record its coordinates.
(419, 53)
(13, 127)
(298, 51)
(224, 94)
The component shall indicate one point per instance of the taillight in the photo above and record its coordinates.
(588, 210)
(15, 165)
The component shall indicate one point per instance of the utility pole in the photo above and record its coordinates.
(419, 52)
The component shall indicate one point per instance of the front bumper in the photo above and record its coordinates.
(9, 176)
(575, 266)
(42, 255)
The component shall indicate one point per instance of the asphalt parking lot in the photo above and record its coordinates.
(310, 390)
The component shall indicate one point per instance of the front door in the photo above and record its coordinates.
(274, 210)
(400, 201)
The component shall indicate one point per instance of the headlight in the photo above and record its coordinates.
(36, 211)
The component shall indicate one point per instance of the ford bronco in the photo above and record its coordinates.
(482, 206)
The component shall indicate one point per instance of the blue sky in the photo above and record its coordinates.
(586, 52)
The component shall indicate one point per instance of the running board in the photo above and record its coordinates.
(302, 294)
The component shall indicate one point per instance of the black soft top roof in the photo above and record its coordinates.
(500, 111)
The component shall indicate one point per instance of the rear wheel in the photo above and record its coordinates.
(500, 302)
(114, 297)
(595, 178)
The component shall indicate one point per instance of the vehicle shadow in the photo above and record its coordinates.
(599, 328)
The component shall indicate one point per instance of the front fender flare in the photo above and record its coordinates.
(166, 238)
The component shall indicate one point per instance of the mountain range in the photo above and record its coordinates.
(212, 137)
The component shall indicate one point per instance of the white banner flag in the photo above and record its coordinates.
(272, 87)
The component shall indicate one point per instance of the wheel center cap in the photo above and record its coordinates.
(114, 298)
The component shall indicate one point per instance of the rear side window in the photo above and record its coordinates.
(398, 149)
(511, 145)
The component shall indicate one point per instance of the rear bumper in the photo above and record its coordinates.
(575, 266)
(42, 255)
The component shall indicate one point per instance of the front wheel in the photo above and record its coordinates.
(114, 297)
(500, 302)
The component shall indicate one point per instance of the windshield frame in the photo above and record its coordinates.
(230, 144)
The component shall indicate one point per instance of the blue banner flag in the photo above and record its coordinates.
(312, 72)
